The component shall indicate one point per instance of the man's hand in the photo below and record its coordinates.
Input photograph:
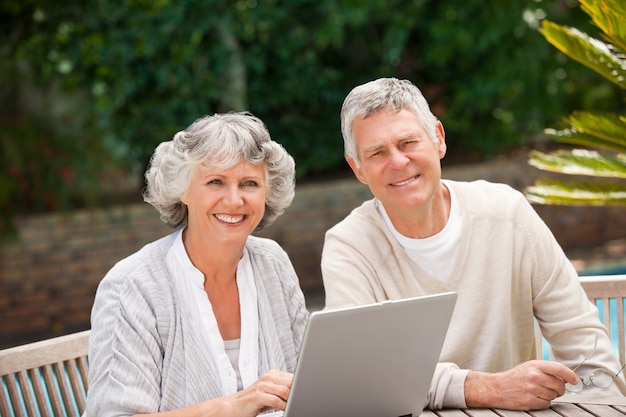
(529, 386)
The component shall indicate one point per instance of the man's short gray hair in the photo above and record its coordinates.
(383, 93)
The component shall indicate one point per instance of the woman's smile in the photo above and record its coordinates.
(230, 219)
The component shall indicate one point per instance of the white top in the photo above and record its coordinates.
(191, 281)
(232, 350)
(435, 254)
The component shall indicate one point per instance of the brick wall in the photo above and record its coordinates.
(48, 276)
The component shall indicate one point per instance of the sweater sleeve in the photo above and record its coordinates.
(447, 388)
(124, 351)
(354, 271)
(351, 279)
(347, 274)
(291, 296)
(568, 320)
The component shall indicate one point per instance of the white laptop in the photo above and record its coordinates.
(375, 360)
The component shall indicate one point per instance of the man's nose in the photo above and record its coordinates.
(397, 158)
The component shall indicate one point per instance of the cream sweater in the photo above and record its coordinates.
(509, 271)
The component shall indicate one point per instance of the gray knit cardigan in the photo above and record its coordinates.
(144, 355)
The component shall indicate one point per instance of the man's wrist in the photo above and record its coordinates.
(479, 389)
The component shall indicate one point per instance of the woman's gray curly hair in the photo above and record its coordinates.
(220, 140)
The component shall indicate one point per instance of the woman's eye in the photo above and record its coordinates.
(215, 181)
(250, 183)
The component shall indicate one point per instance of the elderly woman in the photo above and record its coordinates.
(209, 319)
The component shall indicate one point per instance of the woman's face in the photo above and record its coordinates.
(225, 205)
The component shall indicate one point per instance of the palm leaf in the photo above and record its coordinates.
(577, 193)
(574, 137)
(588, 51)
(579, 162)
(610, 17)
(607, 131)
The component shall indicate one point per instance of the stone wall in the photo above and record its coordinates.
(48, 276)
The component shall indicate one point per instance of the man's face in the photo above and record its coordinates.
(399, 161)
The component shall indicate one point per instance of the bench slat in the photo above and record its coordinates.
(40, 392)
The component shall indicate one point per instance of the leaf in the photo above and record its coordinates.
(607, 131)
(579, 162)
(588, 51)
(576, 193)
(610, 17)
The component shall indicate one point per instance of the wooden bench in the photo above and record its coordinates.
(47, 378)
(608, 293)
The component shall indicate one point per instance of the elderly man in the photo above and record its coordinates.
(423, 235)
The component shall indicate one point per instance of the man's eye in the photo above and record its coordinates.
(415, 141)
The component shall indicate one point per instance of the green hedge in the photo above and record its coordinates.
(150, 68)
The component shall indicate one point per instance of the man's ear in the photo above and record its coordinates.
(441, 139)
(356, 169)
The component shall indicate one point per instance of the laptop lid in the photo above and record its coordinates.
(374, 360)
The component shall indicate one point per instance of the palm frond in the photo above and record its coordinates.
(579, 162)
(576, 193)
(588, 51)
(606, 131)
(610, 17)
(595, 130)
(573, 137)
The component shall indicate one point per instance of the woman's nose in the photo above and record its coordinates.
(233, 196)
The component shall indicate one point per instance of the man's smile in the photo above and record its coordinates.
(404, 182)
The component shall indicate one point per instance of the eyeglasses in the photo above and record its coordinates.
(598, 377)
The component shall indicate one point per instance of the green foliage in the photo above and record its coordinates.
(591, 129)
(580, 162)
(587, 50)
(605, 131)
(578, 193)
(151, 67)
(45, 172)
